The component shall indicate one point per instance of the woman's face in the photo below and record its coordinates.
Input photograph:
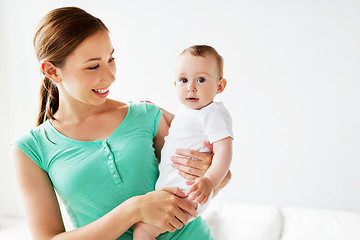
(89, 71)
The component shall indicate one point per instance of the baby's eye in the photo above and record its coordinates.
(200, 80)
(93, 68)
(183, 80)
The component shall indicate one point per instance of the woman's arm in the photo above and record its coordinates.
(163, 130)
(162, 208)
(168, 116)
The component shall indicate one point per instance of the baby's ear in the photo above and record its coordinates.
(221, 85)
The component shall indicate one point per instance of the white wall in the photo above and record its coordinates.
(293, 78)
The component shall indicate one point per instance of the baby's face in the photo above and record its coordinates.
(196, 80)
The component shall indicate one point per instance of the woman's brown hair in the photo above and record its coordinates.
(57, 36)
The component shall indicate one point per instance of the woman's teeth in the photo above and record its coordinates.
(104, 90)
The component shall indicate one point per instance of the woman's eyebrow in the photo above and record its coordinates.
(98, 58)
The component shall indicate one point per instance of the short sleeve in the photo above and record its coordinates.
(153, 116)
(28, 144)
(217, 123)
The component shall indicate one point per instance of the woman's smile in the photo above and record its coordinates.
(101, 92)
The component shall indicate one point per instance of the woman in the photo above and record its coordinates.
(98, 154)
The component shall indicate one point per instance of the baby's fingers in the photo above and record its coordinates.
(204, 200)
(195, 195)
(191, 190)
(190, 182)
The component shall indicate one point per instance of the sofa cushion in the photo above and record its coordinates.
(229, 221)
(315, 224)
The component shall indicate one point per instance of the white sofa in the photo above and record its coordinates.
(235, 221)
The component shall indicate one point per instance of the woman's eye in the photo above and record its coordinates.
(201, 80)
(93, 68)
(111, 60)
(183, 80)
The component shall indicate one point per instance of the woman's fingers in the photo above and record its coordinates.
(196, 172)
(187, 176)
(188, 208)
(190, 162)
(176, 191)
(179, 218)
(182, 206)
(174, 222)
(200, 156)
(167, 208)
(208, 145)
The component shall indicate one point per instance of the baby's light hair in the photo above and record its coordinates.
(201, 50)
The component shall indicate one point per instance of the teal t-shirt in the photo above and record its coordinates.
(93, 177)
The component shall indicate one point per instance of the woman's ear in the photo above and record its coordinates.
(221, 85)
(50, 71)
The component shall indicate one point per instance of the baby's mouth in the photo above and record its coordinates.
(192, 99)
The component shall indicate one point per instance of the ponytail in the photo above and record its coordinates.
(49, 101)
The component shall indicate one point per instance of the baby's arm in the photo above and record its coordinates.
(202, 187)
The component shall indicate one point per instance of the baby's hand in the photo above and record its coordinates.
(200, 190)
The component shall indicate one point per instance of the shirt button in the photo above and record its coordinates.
(106, 149)
(115, 175)
(110, 157)
(112, 165)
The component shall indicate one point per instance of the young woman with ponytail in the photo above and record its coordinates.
(99, 155)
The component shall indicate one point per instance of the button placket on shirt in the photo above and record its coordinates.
(111, 162)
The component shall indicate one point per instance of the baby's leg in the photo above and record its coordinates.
(144, 231)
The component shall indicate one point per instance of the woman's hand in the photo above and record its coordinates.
(167, 208)
(193, 164)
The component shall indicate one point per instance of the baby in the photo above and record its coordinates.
(199, 77)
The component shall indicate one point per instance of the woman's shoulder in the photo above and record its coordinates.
(115, 105)
(143, 107)
(30, 135)
(135, 109)
(31, 142)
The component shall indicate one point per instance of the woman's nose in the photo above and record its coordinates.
(109, 75)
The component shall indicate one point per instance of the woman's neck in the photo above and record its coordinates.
(77, 112)
(90, 123)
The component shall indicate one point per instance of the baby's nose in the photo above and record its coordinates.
(191, 88)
